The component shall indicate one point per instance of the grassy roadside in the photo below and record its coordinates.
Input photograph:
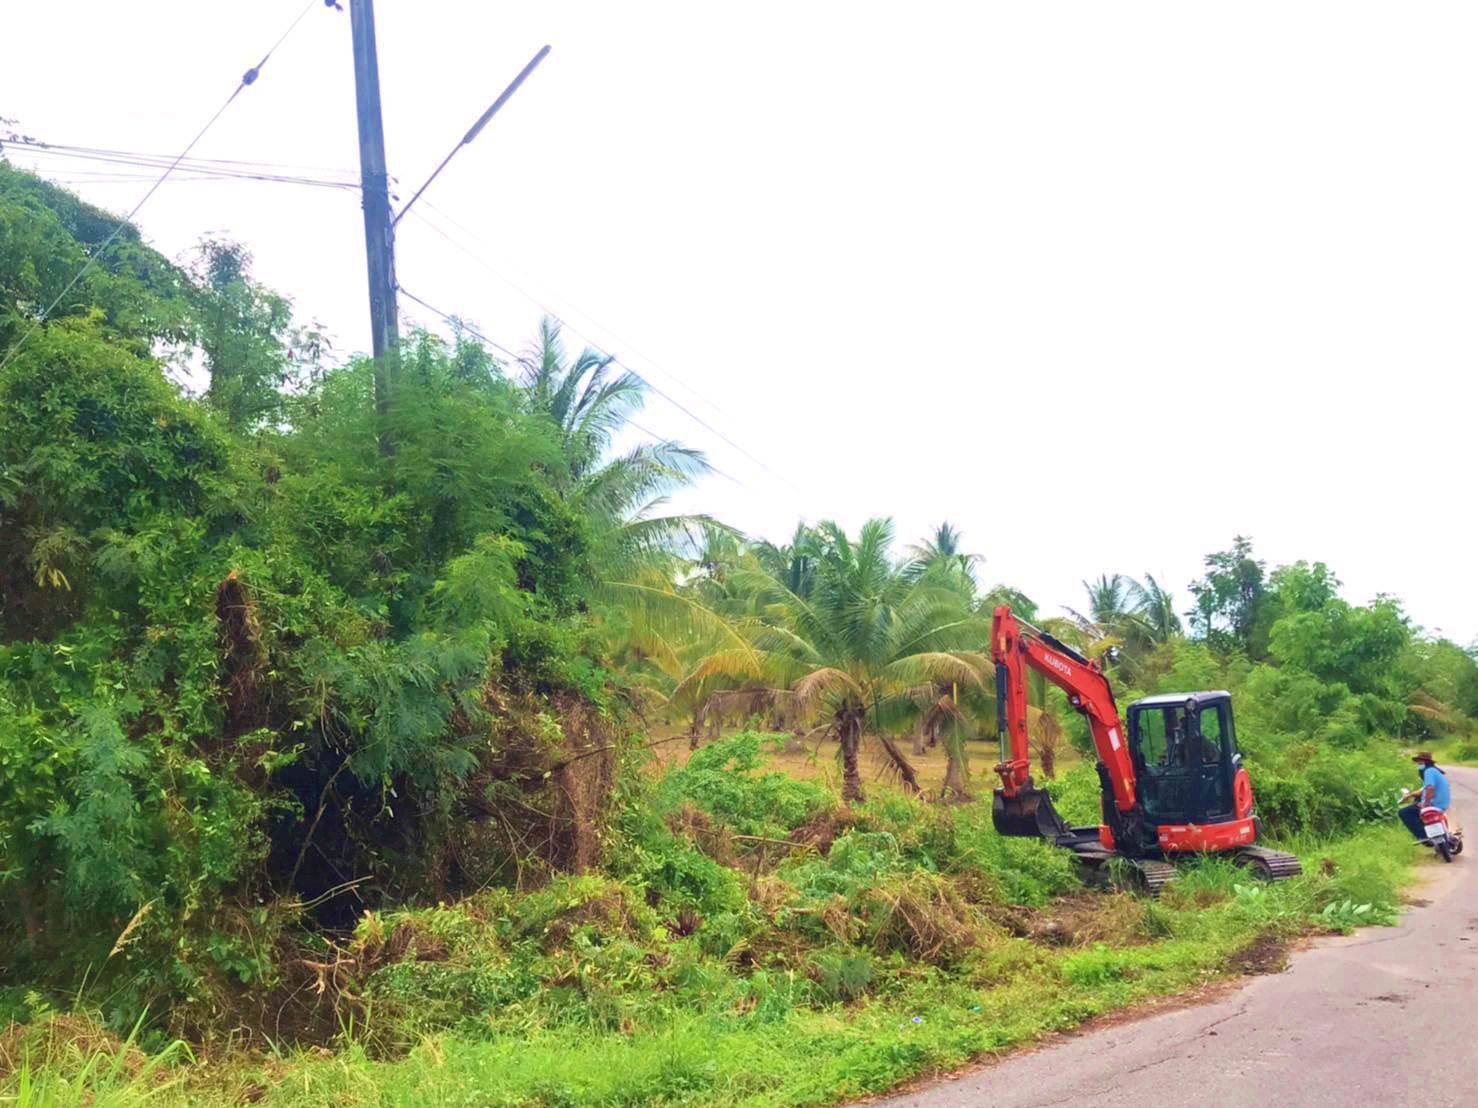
(1010, 992)
(577, 995)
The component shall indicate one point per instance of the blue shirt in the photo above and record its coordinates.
(1436, 780)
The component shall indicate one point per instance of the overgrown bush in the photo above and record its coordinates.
(245, 666)
(724, 778)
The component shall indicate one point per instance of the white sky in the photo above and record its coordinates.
(1104, 284)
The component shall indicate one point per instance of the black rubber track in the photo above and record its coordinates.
(1278, 864)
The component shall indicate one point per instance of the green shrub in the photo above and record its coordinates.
(856, 861)
(671, 870)
(725, 780)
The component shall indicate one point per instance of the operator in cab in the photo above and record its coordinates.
(1434, 793)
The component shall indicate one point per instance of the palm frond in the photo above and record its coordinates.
(826, 681)
(934, 666)
(662, 610)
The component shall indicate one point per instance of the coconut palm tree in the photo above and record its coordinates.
(794, 563)
(584, 398)
(590, 400)
(943, 554)
(943, 715)
(1110, 600)
(1155, 609)
(852, 655)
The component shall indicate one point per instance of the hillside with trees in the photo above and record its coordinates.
(409, 748)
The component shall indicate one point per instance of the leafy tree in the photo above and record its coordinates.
(245, 335)
(93, 439)
(141, 300)
(1301, 587)
(1438, 680)
(1338, 642)
(1229, 600)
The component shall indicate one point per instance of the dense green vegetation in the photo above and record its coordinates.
(327, 726)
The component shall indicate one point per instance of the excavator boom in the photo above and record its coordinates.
(1020, 808)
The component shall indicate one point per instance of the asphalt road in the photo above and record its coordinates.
(1378, 1017)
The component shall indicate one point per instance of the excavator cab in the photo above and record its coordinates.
(1184, 750)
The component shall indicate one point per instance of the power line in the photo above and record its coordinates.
(462, 324)
(101, 153)
(184, 174)
(651, 362)
(614, 360)
(247, 78)
(185, 169)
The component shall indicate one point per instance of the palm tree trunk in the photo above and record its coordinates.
(850, 736)
(900, 764)
(956, 773)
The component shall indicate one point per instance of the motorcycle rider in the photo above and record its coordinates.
(1434, 793)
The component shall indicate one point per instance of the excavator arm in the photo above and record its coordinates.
(1016, 646)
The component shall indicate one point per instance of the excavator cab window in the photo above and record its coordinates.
(1160, 751)
(1184, 755)
(1217, 750)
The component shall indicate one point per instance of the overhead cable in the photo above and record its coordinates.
(247, 78)
(646, 380)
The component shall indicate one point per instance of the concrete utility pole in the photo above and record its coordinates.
(379, 227)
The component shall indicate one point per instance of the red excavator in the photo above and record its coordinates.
(1173, 783)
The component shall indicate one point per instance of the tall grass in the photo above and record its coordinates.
(67, 1060)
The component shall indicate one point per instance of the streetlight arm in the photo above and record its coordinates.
(477, 127)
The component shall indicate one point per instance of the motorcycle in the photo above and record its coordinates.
(1441, 834)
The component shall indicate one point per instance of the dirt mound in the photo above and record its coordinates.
(823, 829)
(1080, 919)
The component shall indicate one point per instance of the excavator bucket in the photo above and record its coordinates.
(1028, 814)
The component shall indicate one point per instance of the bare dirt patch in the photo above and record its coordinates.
(1265, 954)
